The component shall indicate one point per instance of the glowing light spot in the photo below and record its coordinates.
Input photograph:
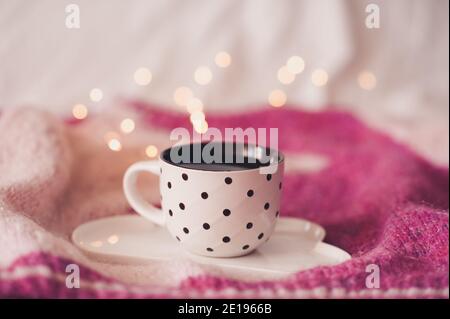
(319, 77)
(114, 145)
(367, 80)
(96, 95)
(201, 127)
(197, 117)
(284, 76)
(113, 239)
(97, 244)
(151, 151)
(142, 76)
(295, 64)
(194, 105)
(182, 95)
(127, 126)
(222, 59)
(277, 98)
(203, 75)
(79, 111)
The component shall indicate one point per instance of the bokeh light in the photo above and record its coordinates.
(319, 77)
(96, 243)
(113, 239)
(151, 151)
(284, 76)
(197, 117)
(79, 111)
(295, 64)
(96, 95)
(127, 126)
(203, 75)
(367, 80)
(114, 145)
(182, 95)
(277, 98)
(194, 104)
(223, 59)
(201, 127)
(142, 76)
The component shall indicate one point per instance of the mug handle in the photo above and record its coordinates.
(137, 202)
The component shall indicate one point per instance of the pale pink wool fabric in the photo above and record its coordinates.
(376, 199)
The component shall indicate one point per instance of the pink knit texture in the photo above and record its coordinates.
(376, 199)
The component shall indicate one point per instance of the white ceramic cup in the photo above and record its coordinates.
(213, 210)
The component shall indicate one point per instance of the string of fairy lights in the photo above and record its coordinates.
(184, 96)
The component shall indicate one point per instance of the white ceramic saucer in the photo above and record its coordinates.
(295, 245)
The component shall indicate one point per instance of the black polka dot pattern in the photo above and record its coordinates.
(252, 225)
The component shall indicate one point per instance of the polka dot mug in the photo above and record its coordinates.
(214, 208)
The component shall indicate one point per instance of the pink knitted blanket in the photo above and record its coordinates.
(376, 199)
